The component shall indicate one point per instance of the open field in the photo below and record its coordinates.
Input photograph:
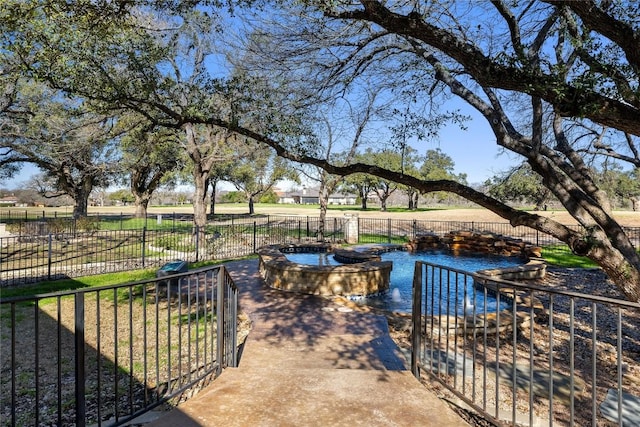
(627, 218)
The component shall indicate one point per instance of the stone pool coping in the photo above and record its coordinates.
(367, 278)
(362, 273)
(532, 269)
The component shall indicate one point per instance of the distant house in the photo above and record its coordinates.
(9, 201)
(311, 196)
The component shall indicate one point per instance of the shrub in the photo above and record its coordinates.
(14, 227)
(85, 223)
(58, 225)
(165, 242)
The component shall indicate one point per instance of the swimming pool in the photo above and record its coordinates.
(451, 295)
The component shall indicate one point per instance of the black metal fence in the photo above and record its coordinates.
(55, 253)
(103, 356)
(527, 355)
(28, 258)
(49, 251)
(390, 231)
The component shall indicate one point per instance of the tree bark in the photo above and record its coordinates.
(323, 197)
(251, 206)
(80, 191)
(142, 204)
(144, 181)
(201, 168)
(363, 198)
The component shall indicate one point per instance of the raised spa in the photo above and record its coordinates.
(366, 275)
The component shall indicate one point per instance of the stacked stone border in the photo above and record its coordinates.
(363, 273)
(367, 277)
(491, 244)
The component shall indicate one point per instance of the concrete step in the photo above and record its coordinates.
(364, 351)
(313, 397)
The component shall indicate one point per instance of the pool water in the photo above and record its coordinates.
(312, 258)
(452, 294)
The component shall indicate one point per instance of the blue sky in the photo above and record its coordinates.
(474, 151)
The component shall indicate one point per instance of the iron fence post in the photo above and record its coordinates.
(255, 237)
(81, 408)
(389, 230)
(49, 258)
(299, 230)
(220, 320)
(144, 244)
(233, 296)
(197, 243)
(416, 314)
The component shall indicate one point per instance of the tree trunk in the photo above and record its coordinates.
(323, 197)
(363, 198)
(251, 207)
(81, 207)
(200, 200)
(615, 264)
(142, 204)
(81, 193)
(201, 175)
(383, 204)
(212, 209)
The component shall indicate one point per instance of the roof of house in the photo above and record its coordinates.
(312, 193)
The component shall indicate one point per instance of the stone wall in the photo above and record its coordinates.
(476, 242)
(350, 280)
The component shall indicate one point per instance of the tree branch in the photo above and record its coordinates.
(568, 100)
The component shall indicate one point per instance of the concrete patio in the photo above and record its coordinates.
(311, 362)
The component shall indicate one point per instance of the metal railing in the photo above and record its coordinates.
(105, 355)
(523, 354)
(27, 258)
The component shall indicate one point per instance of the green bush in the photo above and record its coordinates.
(58, 225)
(234, 197)
(174, 243)
(14, 227)
(165, 242)
(88, 224)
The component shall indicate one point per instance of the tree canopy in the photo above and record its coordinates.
(556, 81)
